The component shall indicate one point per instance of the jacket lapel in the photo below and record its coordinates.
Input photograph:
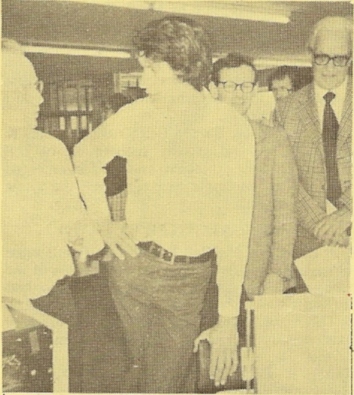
(346, 120)
(310, 121)
(309, 110)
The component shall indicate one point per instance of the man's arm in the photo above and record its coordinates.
(91, 155)
(235, 207)
(285, 188)
(79, 231)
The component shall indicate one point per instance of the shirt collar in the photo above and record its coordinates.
(339, 91)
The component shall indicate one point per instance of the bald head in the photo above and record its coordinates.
(335, 26)
(21, 99)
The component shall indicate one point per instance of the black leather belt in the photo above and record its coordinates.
(169, 257)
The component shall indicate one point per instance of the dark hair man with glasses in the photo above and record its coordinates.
(318, 121)
(269, 266)
(283, 81)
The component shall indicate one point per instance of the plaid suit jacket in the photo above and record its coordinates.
(298, 115)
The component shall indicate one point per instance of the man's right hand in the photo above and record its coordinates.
(116, 234)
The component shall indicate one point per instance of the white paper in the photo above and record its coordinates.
(326, 271)
(302, 344)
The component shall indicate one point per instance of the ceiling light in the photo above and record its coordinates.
(270, 63)
(97, 53)
(217, 11)
(213, 9)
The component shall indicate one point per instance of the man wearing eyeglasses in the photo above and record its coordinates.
(318, 121)
(269, 266)
(283, 81)
(43, 220)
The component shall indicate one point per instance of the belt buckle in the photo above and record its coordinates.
(155, 249)
(168, 257)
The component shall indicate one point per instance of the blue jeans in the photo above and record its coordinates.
(160, 307)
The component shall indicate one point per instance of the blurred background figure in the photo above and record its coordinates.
(283, 81)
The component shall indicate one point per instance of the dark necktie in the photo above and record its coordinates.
(330, 131)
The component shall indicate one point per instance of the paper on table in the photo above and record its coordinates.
(302, 344)
(326, 270)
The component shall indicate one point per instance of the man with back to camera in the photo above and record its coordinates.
(269, 266)
(179, 208)
(318, 121)
(42, 215)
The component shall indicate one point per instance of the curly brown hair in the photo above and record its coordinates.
(182, 43)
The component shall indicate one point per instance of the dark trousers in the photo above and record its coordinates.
(160, 306)
(99, 358)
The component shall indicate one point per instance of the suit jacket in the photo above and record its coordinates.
(299, 116)
(273, 230)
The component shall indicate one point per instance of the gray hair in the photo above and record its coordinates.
(337, 23)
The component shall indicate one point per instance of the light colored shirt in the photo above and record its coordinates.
(190, 181)
(41, 213)
(337, 103)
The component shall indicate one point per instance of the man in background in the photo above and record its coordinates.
(268, 270)
(273, 230)
(283, 81)
(318, 121)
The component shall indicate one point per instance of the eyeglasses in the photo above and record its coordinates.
(28, 88)
(246, 87)
(281, 89)
(323, 60)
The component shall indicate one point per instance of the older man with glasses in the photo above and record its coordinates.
(318, 121)
(43, 219)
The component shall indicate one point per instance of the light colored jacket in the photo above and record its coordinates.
(273, 228)
(298, 115)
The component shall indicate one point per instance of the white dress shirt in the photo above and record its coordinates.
(41, 213)
(190, 181)
(337, 103)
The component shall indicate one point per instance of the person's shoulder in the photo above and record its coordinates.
(221, 108)
(47, 142)
(136, 106)
(227, 115)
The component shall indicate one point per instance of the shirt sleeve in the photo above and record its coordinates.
(236, 207)
(76, 225)
(91, 156)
